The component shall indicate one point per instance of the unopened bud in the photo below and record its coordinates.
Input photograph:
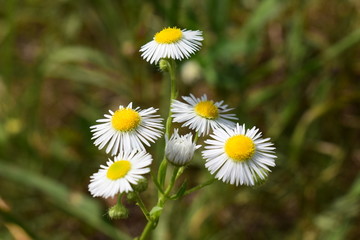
(141, 185)
(131, 196)
(180, 149)
(164, 65)
(118, 211)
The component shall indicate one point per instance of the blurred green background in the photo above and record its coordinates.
(291, 68)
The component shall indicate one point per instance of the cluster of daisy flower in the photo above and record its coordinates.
(232, 153)
(124, 132)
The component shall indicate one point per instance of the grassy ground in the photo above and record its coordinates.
(291, 68)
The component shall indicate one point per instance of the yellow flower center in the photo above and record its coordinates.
(240, 148)
(168, 35)
(207, 109)
(125, 119)
(118, 169)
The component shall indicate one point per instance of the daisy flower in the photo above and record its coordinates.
(239, 156)
(127, 129)
(118, 175)
(201, 114)
(172, 43)
(180, 149)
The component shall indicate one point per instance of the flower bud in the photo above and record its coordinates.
(118, 211)
(131, 196)
(141, 185)
(180, 148)
(164, 65)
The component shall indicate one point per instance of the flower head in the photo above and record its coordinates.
(180, 149)
(127, 129)
(201, 114)
(117, 177)
(172, 43)
(239, 156)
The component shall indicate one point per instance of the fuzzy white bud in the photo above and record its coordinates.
(180, 148)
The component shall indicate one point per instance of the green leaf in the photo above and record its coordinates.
(162, 172)
(156, 183)
(80, 54)
(84, 65)
(155, 210)
(181, 191)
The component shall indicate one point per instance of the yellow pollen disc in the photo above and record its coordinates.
(118, 169)
(240, 148)
(207, 109)
(168, 35)
(125, 119)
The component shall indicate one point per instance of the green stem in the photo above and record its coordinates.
(159, 188)
(199, 186)
(196, 137)
(172, 181)
(171, 69)
(162, 172)
(148, 228)
(181, 170)
(163, 195)
(141, 204)
(119, 200)
(161, 202)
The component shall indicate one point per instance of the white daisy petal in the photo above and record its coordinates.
(127, 129)
(180, 149)
(235, 157)
(201, 114)
(172, 43)
(118, 175)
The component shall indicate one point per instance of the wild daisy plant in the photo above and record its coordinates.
(231, 152)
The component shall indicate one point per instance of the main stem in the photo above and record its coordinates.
(152, 221)
(170, 66)
(148, 228)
